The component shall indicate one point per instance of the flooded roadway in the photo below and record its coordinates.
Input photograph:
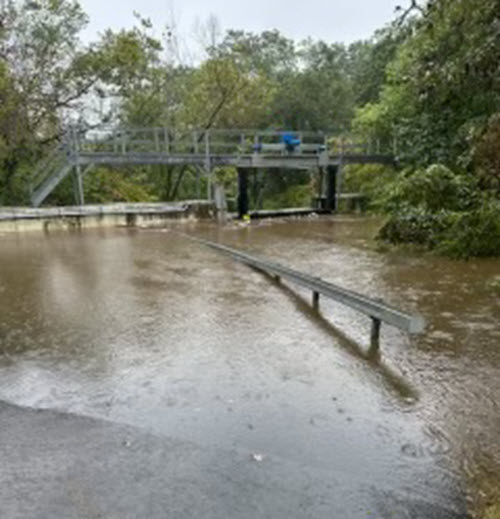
(287, 415)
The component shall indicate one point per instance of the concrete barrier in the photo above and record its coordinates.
(24, 219)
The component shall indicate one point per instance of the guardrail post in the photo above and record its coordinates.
(316, 300)
(375, 334)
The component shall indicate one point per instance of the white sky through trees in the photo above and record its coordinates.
(329, 20)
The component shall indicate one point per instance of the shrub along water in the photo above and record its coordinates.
(443, 211)
(434, 208)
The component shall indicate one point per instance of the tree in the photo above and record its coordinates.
(269, 53)
(50, 80)
(369, 60)
(318, 95)
(45, 75)
(444, 83)
(221, 94)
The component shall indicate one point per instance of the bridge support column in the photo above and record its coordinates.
(198, 183)
(338, 188)
(220, 202)
(320, 188)
(79, 196)
(242, 192)
(331, 188)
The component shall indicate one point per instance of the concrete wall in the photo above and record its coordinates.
(23, 219)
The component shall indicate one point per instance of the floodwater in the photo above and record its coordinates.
(146, 328)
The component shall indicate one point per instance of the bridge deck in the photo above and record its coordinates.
(256, 160)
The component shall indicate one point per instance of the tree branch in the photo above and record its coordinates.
(413, 6)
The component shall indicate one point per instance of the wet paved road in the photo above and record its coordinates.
(163, 369)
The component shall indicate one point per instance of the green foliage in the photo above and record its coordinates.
(473, 233)
(370, 180)
(443, 84)
(486, 155)
(227, 176)
(46, 75)
(443, 211)
(369, 60)
(313, 100)
(317, 94)
(269, 53)
(222, 95)
(127, 58)
(105, 185)
(415, 225)
(441, 100)
(316, 84)
(294, 196)
(433, 189)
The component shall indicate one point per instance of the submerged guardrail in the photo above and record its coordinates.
(379, 311)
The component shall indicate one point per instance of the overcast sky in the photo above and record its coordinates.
(329, 20)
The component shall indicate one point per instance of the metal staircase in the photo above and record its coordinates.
(49, 173)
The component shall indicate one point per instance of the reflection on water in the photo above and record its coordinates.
(147, 328)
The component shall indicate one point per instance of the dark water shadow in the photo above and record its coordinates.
(372, 358)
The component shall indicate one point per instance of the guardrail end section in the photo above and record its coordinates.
(417, 324)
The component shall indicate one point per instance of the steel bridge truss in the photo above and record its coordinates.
(205, 149)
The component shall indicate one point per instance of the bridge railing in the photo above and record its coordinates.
(349, 145)
(222, 142)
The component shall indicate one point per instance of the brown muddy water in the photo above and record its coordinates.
(146, 328)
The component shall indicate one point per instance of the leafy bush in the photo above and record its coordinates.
(466, 234)
(371, 180)
(415, 225)
(105, 185)
(294, 196)
(433, 189)
(227, 176)
(474, 233)
(486, 154)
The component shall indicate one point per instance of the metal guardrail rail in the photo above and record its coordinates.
(379, 311)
